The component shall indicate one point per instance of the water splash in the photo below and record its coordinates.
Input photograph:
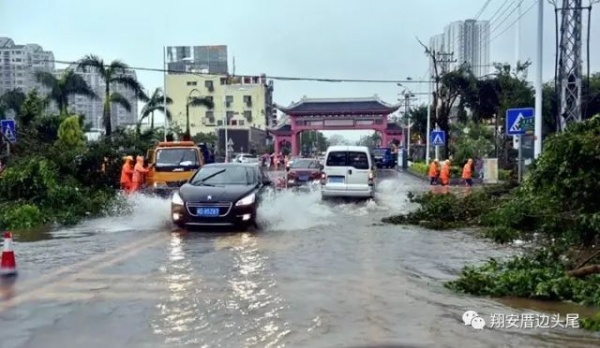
(134, 212)
(288, 210)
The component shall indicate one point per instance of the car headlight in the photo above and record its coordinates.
(176, 198)
(249, 199)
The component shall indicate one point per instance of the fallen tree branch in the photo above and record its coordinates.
(584, 271)
(588, 259)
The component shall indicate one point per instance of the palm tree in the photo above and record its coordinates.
(155, 103)
(64, 87)
(115, 73)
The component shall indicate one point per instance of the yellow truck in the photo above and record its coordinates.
(172, 163)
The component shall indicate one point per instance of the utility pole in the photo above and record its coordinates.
(570, 62)
(445, 59)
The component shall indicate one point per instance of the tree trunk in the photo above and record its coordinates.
(152, 120)
(584, 271)
(106, 112)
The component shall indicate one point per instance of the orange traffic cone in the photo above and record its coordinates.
(8, 265)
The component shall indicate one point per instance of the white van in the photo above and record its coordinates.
(348, 172)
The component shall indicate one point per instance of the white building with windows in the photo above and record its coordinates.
(18, 64)
(468, 41)
(93, 109)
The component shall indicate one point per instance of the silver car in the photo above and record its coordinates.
(348, 172)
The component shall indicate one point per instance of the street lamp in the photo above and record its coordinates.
(189, 101)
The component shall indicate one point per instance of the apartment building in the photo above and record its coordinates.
(93, 109)
(245, 101)
(18, 64)
(468, 41)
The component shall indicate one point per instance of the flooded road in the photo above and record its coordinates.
(317, 275)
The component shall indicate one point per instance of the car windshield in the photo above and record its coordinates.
(176, 157)
(303, 163)
(224, 175)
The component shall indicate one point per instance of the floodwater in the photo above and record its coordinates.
(316, 275)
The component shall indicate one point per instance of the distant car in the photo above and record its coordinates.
(303, 171)
(247, 158)
(348, 172)
(220, 194)
(384, 158)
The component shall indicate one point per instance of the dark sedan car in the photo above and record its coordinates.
(220, 194)
(303, 171)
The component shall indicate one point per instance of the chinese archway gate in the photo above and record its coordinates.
(335, 114)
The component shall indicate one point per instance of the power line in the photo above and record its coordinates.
(507, 17)
(513, 23)
(272, 77)
(492, 18)
(482, 9)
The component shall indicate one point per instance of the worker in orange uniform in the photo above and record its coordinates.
(127, 175)
(139, 173)
(445, 175)
(434, 172)
(467, 173)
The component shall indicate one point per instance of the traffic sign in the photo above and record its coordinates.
(229, 148)
(519, 121)
(9, 130)
(230, 142)
(438, 138)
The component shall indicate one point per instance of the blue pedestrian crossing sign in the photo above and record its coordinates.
(519, 121)
(9, 130)
(438, 138)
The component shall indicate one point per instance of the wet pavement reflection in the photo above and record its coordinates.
(315, 275)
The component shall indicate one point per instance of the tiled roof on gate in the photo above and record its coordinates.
(339, 106)
(282, 128)
(391, 126)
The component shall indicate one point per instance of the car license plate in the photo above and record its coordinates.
(303, 178)
(336, 179)
(207, 212)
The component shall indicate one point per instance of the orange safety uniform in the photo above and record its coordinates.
(433, 172)
(445, 173)
(467, 172)
(127, 175)
(139, 173)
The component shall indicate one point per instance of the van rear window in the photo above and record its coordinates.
(358, 160)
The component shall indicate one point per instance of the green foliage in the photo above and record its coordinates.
(53, 176)
(448, 211)
(470, 140)
(70, 133)
(537, 276)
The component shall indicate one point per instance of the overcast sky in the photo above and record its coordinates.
(359, 39)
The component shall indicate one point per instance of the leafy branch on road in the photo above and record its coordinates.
(556, 208)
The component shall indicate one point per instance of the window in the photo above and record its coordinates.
(248, 115)
(210, 98)
(219, 123)
(182, 157)
(247, 99)
(192, 83)
(209, 114)
(303, 163)
(234, 122)
(336, 159)
(225, 175)
(358, 160)
(229, 99)
(241, 122)
(223, 80)
(209, 84)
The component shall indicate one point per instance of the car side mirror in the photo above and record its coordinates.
(267, 182)
(321, 167)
